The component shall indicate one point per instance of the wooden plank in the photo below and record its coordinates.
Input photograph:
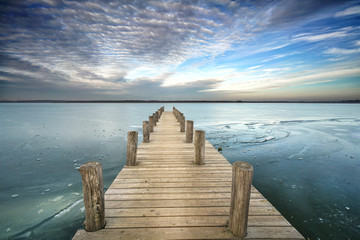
(192, 221)
(188, 169)
(167, 190)
(171, 190)
(259, 233)
(181, 203)
(167, 180)
(195, 211)
(170, 184)
(175, 175)
(174, 196)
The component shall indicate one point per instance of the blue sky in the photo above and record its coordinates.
(180, 50)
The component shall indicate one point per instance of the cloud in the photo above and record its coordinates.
(81, 38)
(320, 37)
(278, 56)
(349, 11)
(287, 11)
(255, 67)
(36, 82)
(342, 51)
(257, 84)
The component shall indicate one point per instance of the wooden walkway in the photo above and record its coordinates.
(166, 196)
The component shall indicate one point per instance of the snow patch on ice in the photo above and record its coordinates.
(58, 198)
(66, 210)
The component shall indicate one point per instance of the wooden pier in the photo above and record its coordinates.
(166, 196)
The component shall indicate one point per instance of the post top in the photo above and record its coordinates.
(243, 165)
(200, 131)
(89, 165)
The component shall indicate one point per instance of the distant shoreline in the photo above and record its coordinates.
(174, 101)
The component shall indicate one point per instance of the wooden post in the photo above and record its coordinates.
(146, 132)
(151, 123)
(132, 141)
(154, 117)
(189, 131)
(93, 189)
(199, 147)
(240, 198)
(182, 123)
(157, 116)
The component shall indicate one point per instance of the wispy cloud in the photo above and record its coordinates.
(320, 37)
(255, 67)
(252, 83)
(349, 11)
(278, 56)
(342, 51)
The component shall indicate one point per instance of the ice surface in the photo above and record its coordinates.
(305, 158)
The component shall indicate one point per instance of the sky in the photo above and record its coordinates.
(289, 50)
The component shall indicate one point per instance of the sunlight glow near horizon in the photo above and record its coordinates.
(172, 50)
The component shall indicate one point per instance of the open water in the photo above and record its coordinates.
(306, 159)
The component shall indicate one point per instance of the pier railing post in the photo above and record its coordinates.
(132, 141)
(240, 198)
(199, 144)
(154, 117)
(93, 189)
(146, 132)
(189, 131)
(182, 123)
(151, 123)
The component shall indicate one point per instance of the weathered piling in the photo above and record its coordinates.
(151, 123)
(240, 198)
(146, 132)
(199, 144)
(157, 116)
(189, 131)
(93, 189)
(177, 113)
(182, 123)
(132, 141)
(154, 117)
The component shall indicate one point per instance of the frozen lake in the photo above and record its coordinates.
(306, 159)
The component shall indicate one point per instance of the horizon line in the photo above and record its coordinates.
(178, 101)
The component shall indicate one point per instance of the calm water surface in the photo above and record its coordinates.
(306, 160)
